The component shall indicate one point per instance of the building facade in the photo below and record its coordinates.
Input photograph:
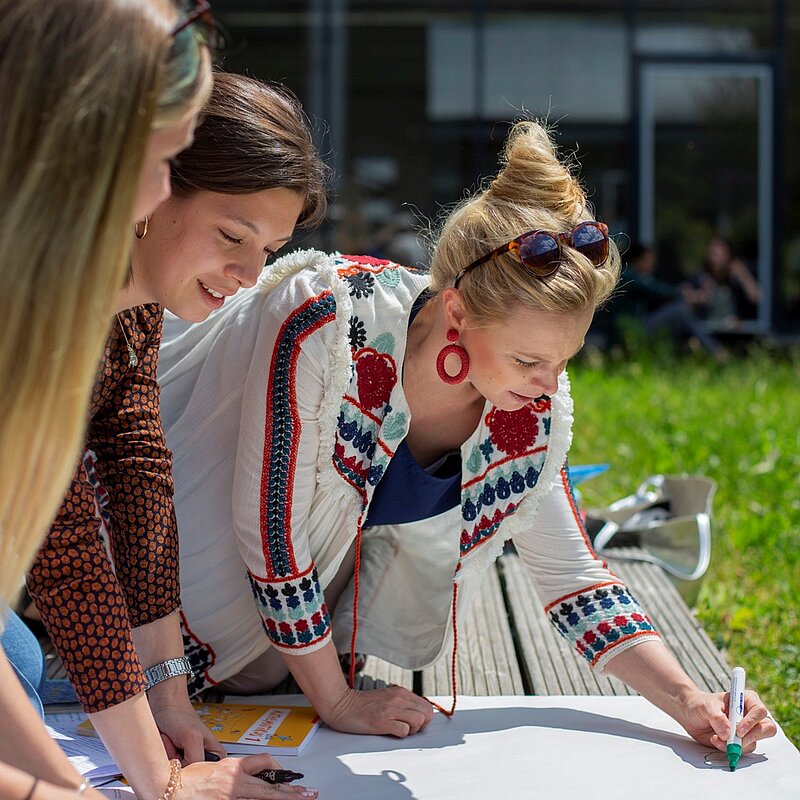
(681, 114)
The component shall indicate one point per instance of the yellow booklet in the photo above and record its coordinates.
(243, 728)
(280, 730)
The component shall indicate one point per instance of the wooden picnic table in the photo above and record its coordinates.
(507, 645)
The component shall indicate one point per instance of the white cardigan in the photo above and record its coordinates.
(283, 411)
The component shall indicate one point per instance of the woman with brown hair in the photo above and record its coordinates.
(88, 129)
(354, 441)
(251, 175)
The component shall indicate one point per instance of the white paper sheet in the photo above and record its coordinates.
(87, 754)
(548, 748)
(545, 748)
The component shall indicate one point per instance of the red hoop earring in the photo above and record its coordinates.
(456, 350)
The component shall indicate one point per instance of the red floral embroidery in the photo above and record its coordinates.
(350, 463)
(513, 432)
(541, 405)
(376, 375)
(368, 260)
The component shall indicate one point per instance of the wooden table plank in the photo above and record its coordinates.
(53, 666)
(507, 644)
(379, 674)
(681, 631)
(552, 664)
(487, 663)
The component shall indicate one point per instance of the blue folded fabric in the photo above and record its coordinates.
(585, 472)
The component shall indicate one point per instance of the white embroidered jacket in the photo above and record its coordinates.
(283, 411)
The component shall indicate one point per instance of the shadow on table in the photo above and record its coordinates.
(444, 733)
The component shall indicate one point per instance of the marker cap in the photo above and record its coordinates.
(734, 753)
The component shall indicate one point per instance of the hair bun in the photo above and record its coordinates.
(532, 173)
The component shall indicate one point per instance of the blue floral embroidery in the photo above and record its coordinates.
(390, 278)
(361, 284)
(474, 461)
(593, 621)
(375, 474)
(394, 426)
(357, 333)
(384, 343)
(293, 612)
(281, 433)
(201, 659)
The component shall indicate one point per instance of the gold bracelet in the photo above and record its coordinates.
(174, 782)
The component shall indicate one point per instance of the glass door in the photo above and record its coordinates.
(705, 168)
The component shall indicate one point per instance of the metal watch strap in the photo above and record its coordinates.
(170, 668)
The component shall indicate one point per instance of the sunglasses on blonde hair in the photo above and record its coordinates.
(540, 251)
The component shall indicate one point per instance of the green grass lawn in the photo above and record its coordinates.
(739, 424)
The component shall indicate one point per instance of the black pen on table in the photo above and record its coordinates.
(278, 775)
(266, 775)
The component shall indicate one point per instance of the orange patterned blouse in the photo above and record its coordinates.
(89, 601)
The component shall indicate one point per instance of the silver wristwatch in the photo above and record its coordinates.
(170, 668)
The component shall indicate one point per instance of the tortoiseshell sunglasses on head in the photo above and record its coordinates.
(540, 251)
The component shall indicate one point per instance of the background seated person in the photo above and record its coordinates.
(727, 291)
(657, 307)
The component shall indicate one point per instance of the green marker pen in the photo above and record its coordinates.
(733, 749)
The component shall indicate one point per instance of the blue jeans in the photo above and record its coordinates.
(26, 658)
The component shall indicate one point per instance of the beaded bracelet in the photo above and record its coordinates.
(175, 781)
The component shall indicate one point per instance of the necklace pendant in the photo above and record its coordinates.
(133, 359)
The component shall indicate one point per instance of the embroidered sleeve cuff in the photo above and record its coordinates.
(293, 611)
(631, 641)
(601, 621)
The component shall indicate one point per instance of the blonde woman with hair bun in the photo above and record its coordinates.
(533, 191)
(355, 440)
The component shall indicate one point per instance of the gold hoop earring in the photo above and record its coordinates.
(144, 228)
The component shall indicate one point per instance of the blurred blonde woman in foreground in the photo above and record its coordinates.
(97, 96)
(248, 178)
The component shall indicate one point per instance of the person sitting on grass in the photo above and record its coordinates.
(354, 441)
